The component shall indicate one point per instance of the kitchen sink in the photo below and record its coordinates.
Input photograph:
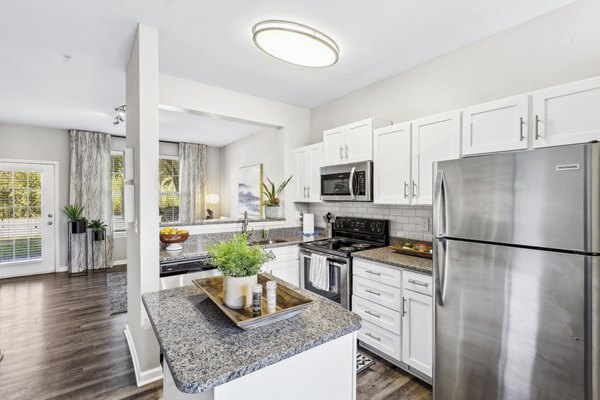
(267, 241)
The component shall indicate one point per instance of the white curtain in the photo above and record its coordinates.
(90, 186)
(192, 185)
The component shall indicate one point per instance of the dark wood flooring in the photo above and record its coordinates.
(60, 342)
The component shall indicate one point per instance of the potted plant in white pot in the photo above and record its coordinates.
(272, 203)
(239, 263)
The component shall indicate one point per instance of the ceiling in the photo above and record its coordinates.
(210, 41)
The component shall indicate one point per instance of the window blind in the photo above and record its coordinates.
(168, 181)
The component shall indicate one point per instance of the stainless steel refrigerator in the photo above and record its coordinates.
(516, 272)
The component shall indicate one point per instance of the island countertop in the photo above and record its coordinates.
(204, 349)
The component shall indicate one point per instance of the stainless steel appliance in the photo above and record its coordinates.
(348, 182)
(178, 273)
(350, 235)
(517, 275)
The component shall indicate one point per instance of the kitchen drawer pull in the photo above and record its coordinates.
(346, 152)
(405, 190)
(373, 272)
(341, 153)
(521, 129)
(369, 334)
(304, 191)
(308, 192)
(372, 292)
(537, 127)
(372, 314)
(418, 283)
(403, 306)
(414, 194)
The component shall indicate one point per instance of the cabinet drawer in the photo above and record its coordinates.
(379, 293)
(380, 339)
(419, 283)
(377, 272)
(376, 314)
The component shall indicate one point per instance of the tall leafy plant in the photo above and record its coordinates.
(74, 212)
(237, 258)
(271, 194)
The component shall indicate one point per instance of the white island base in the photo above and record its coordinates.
(326, 372)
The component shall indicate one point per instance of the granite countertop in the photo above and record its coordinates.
(387, 255)
(192, 250)
(204, 349)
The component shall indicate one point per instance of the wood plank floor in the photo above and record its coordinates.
(60, 342)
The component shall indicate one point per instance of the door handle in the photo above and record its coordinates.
(308, 192)
(439, 273)
(414, 185)
(373, 292)
(341, 153)
(440, 205)
(405, 190)
(304, 191)
(369, 334)
(351, 182)
(521, 123)
(372, 314)
(537, 127)
(403, 306)
(346, 151)
(418, 283)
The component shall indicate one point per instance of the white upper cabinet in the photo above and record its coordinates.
(435, 138)
(391, 159)
(567, 114)
(499, 125)
(307, 175)
(350, 143)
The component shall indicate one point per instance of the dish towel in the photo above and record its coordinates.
(319, 272)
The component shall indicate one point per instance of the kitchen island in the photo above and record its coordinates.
(207, 357)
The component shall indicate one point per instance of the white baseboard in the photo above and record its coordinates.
(66, 269)
(119, 262)
(145, 377)
(62, 269)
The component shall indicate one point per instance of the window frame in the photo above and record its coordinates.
(119, 224)
(178, 193)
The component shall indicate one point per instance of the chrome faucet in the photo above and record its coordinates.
(245, 223)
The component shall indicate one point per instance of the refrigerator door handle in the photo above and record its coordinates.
(439, 270)
(439, 228)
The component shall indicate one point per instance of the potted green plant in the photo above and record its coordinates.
(98, 228)
(239, 263)
(77, 220)
(272, 203)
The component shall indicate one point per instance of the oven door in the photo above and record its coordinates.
(339, 278)
(350, 182)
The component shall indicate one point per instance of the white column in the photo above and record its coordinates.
(142, 235)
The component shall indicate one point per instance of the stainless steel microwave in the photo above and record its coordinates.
(348, 182)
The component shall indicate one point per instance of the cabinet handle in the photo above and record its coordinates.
(346, 152)
(414, 194)
(372, 292)
(304, 191)
(521, 122)
(418, 283)
(341, 153)
(372, 313)
(369, 334)
(308, 192)
(403, 306)
(537, 127)
(373, 272)
(405, 190)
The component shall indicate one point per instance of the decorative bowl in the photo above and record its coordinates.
(174, 240)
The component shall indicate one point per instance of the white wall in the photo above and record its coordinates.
(44, 144)
(264, 147)
(556, 48)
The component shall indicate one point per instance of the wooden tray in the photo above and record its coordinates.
(289, 303)
(409, 252)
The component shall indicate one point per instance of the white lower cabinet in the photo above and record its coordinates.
(417, 331)
(286, 265)
(396, 310)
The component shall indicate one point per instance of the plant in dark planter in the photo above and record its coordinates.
(98, 228)
(75, 214)
(272, 203)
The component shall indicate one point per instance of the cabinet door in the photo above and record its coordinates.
(334, 146)
(359, 141)
(417, 331)
(289, 271)
(315, 160)
(300, 178)
(495, 126)
(391, 164)
(567, 114)
(435, 138)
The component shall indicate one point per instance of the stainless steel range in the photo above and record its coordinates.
(350, 235)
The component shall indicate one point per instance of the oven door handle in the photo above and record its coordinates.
(351, 179)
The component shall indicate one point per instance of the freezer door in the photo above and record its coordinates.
(546, 198)
(512, 323)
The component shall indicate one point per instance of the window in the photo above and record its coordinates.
(116, 177)
(168, 181)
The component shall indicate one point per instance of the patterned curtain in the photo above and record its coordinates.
(192, 175)
(90, 186)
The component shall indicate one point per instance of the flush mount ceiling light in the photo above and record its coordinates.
(295, 43)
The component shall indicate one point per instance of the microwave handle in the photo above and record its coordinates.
(351, 179)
